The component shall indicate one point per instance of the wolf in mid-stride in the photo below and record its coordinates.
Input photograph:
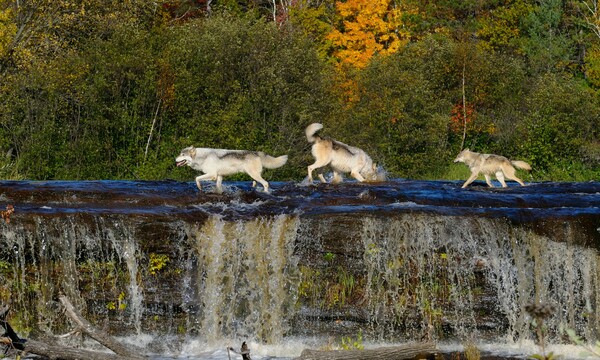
(490, 164)
(340, 157)
(216, 163)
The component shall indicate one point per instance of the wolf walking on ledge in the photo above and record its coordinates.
(489, 164)
(216, 163)
(341, 158)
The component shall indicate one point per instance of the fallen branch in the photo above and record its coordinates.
(403, 352)
(59, 352)
(67, 353)
(102, 337)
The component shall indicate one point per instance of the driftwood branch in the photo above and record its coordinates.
(403, 352)
(67, 353)
(58, 352)
(102, 337)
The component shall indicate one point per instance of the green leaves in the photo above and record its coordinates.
(94, 89)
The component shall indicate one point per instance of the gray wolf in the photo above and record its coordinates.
(340, 157)
(490, 164)
(216, 163)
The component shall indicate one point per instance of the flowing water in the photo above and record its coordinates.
(186, 274)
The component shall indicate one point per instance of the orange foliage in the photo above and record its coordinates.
(369, 27)
(457, 121)
(457, 117)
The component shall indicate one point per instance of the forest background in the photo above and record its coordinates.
(114, 89)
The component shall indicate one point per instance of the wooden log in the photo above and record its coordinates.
(59, 352)
(130, 351)
(402, 352)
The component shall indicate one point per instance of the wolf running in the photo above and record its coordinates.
(340, 157)
(490, 164)
(216, 163)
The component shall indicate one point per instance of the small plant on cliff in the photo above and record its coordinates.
(311, 285)
(329, 257)
(4, 266)
(348, 343)
(157, 262)
(5, 214)
(539, 313)
(120, 303)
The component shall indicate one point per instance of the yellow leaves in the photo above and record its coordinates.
(500, 27)
(369, 27)
(119, 305)
(592, 65)
(157, 262)
(8, 29)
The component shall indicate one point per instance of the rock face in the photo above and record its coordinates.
(401, 260)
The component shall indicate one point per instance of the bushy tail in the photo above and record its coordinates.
(311, 130)
(521, 165)
(273, 162)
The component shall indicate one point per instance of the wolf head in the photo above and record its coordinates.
(462, 156)
(186, 156)
(373, 173)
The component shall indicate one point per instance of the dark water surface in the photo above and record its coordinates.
(532, 202)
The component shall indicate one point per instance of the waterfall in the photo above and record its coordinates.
(393, 262)
(82, 259)
(440, 269)
(243, 278)
(229, 278)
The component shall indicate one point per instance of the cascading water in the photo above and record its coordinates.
(241, 280)
(397, 261)
(442, 269)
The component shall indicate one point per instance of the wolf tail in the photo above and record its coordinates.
(273, 162)
(521, 165)
(311, 130)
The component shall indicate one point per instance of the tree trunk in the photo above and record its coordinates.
(403, 352)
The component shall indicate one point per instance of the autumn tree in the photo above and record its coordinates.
(7, 29)
(590, 11)
(501, 27)
(366, 28)
(315, 19)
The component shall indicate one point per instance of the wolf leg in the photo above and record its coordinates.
(257, 176)
(510, 173)
(204, 177)
(219, 183)
(470, 179)
(355, 174)
(337, 178)
(517, 180)
(500, 177)
(488, 180)
(318, 164)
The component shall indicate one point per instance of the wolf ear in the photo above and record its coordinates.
(193, 152)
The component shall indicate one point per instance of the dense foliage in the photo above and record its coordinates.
(104, 89)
